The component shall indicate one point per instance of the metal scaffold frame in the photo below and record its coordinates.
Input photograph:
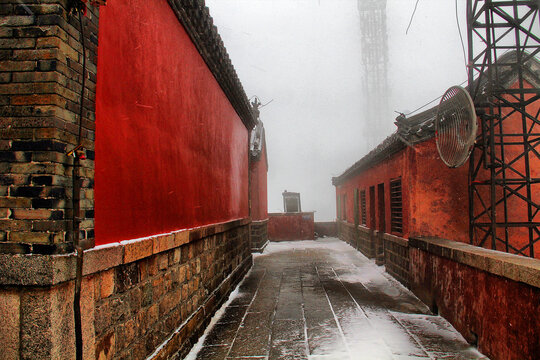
(500, 175)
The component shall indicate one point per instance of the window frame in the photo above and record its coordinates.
(396, 206)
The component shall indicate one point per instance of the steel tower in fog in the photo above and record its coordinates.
(374, 66)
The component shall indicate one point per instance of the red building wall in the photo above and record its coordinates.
(434, 197)
(259, 196)
(171, 152)
(395, 167)
(439, 196)
(518, 211)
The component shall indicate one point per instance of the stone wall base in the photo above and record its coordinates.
(396, 258)
(386, 249)
(326, 228)
(186, 336)
(259, 235)
(137, 295)
(362, 238)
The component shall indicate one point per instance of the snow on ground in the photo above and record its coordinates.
(351, 308)
(218, 315)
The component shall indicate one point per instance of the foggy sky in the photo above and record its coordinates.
(305, 55)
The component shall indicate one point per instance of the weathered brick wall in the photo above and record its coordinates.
(40, 87)
(327, 228)
(396, 258)
(135, 295)
(362, 239)
(259, 235)
(346, 233)
(139, 304)
(366, 241)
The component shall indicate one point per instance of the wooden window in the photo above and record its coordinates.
(363, 206)
(396, 206)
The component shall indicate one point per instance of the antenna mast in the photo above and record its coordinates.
(503, 173)
(374, 64)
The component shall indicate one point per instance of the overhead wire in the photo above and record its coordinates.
(267, 103)
(461, 38)
(412, 17)
(431, 102)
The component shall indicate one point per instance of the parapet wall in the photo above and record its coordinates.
(137, 296)
(326, 228)
(291, 226)
(362, 238)
(492, 298)
(259, 235)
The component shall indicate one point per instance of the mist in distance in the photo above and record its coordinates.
(306, 56)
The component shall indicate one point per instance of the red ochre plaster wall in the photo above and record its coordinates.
(439, 199)
(384, 172)
(434, 197)
(517, 207)
(259, 200)
(171, 152)
(291, 226)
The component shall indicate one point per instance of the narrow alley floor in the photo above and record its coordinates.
(324, 300)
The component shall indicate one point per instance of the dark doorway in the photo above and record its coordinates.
(344, 205)
(372, 207)
(380, 204)
(356, 208)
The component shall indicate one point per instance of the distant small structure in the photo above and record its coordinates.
(291, 202)
(292, 224)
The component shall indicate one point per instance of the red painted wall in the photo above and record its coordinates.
(394, 167)
(435, 197)
(517, 207)
(291, 226)
(259, 188)
(501, 313)
(171, 152)
(439, 196)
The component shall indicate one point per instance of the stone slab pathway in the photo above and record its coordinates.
(322, 300)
